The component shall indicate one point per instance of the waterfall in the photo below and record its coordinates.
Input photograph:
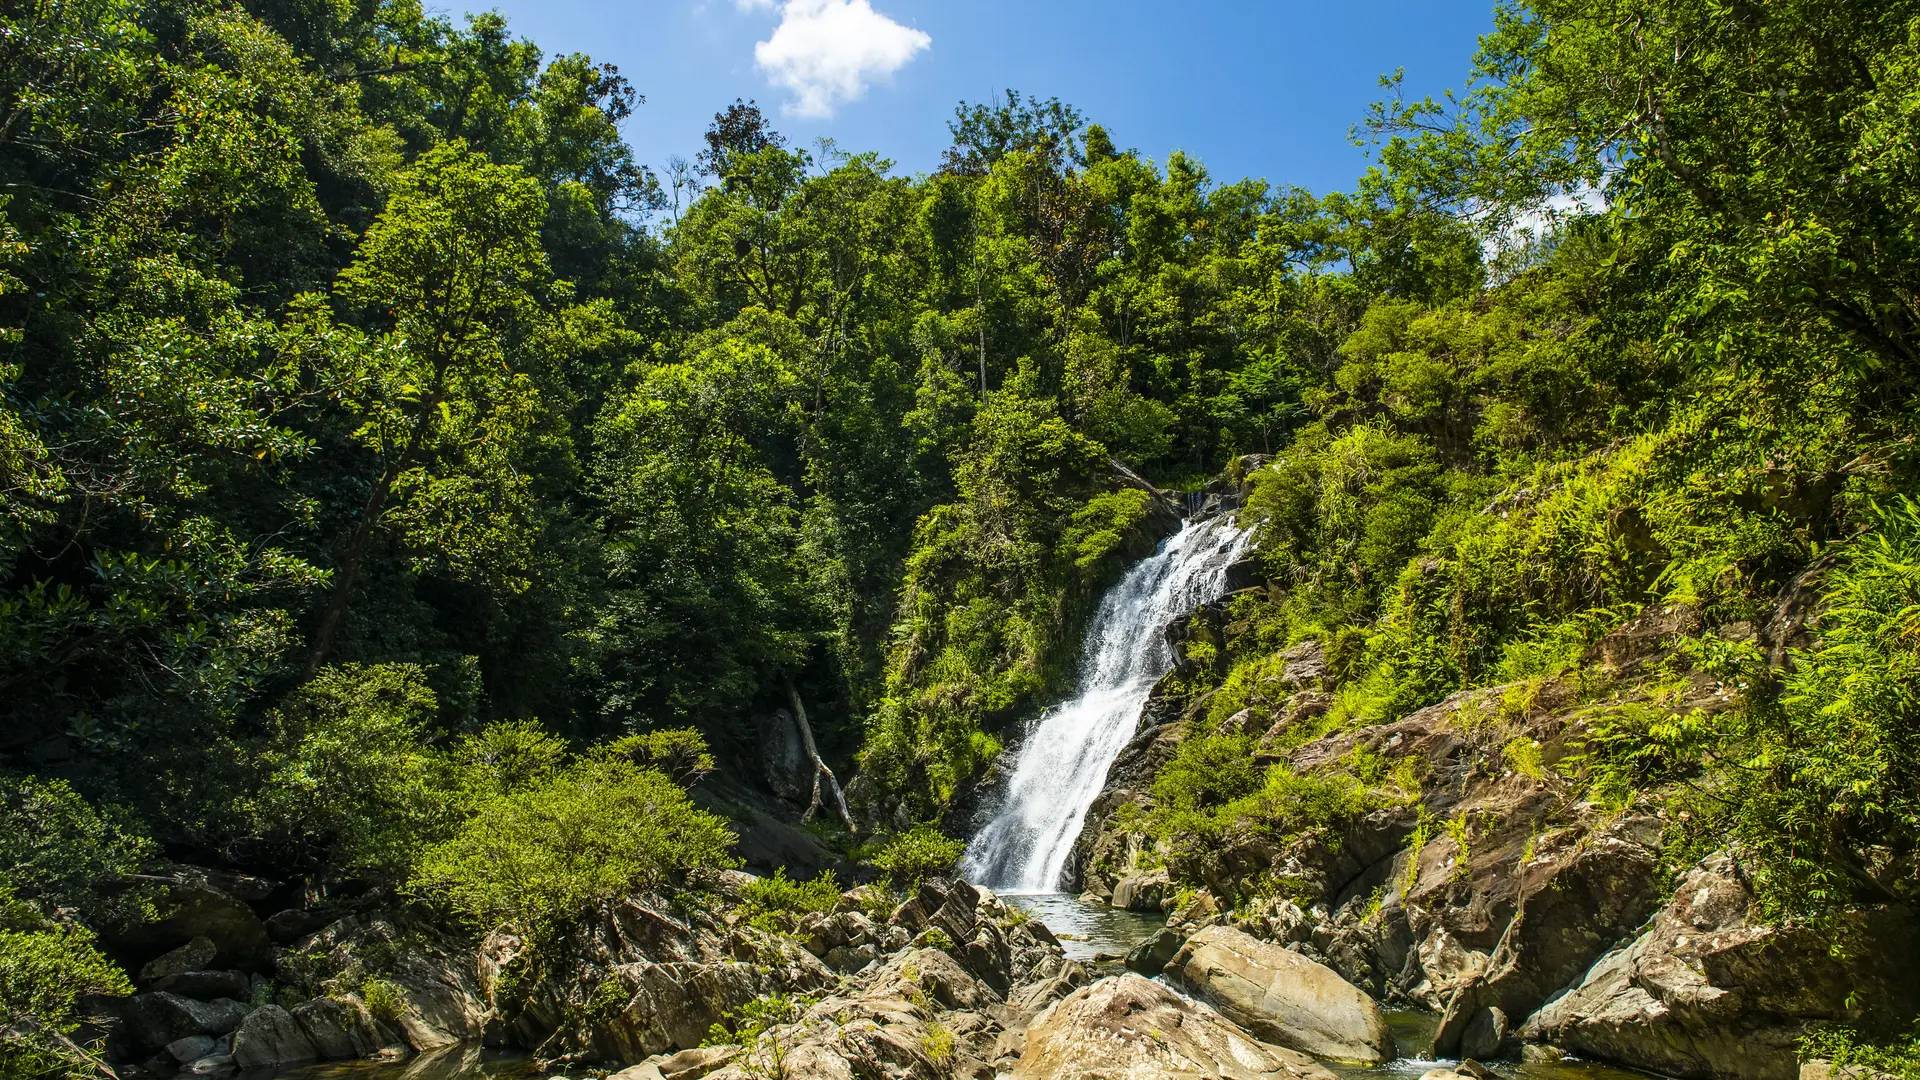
(1063, 763)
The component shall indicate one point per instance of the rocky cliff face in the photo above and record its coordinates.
(1494, 894)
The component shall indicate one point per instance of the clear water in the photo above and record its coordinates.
(1090, 933)
(1064, 760)
(1413, 1031)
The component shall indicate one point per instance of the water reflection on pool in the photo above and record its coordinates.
(1086, 930)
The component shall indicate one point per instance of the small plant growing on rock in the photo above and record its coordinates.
(781, 893)
(1523, 757)
(1459, 831)
(938, 1044)
(386, 1000)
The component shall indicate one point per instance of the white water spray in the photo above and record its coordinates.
(1064, 763)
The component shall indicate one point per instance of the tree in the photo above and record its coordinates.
(451, 266)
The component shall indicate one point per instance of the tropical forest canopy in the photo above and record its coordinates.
(386, 448)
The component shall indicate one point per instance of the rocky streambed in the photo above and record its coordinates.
(950, 981)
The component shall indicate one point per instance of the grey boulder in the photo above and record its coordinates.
(270, 1036)
(192, 956)
(339, 1028)
(208, 985)
(160, 1019)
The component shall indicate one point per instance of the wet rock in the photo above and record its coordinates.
(270, 1036)
(339, 1028)
(1129, 1027)
(191, 1048)
(1282, 997)
(1152, 956)
(1245, 574)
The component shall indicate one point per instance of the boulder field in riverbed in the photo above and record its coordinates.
(949, 983)
(1538, 919)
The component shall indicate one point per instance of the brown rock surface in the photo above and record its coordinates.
(1282, 997)
(1130, 1028)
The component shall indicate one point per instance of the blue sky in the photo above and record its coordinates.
(1252, 89)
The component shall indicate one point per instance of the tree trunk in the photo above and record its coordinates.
(819, 767)
(355, 554)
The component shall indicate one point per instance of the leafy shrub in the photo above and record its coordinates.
(1849, 1050)
(1213, 789)
(920, 853)
(1836, 768)
(598, 829)
(45, 969)
(349, 780)
(506, 755)
(1207, 774)
(385, 999)
(681, 753)
(783, 895)
(61, 851)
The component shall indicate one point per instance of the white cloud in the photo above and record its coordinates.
(827, 51)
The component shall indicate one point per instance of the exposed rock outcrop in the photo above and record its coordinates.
(926, 1011)
(1128, 1028)
(1282, 997)
(1710, 991)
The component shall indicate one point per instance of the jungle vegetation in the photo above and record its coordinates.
(384, 447)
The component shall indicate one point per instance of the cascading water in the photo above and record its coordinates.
(1064, 763)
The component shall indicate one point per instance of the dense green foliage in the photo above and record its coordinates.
(918, 854)
(45, 969)
(398, 486)
(1682, 397)
(541, 853)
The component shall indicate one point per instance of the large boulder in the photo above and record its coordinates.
(208, 985)
(440, 978)
(339, 1028)
(1710, 991)
(192, 956)
(1570, 909)
(1152, 956)
(151, 1021)
(197, 903)
(1283, 997)
(270, 1036)
(1130, 1028)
